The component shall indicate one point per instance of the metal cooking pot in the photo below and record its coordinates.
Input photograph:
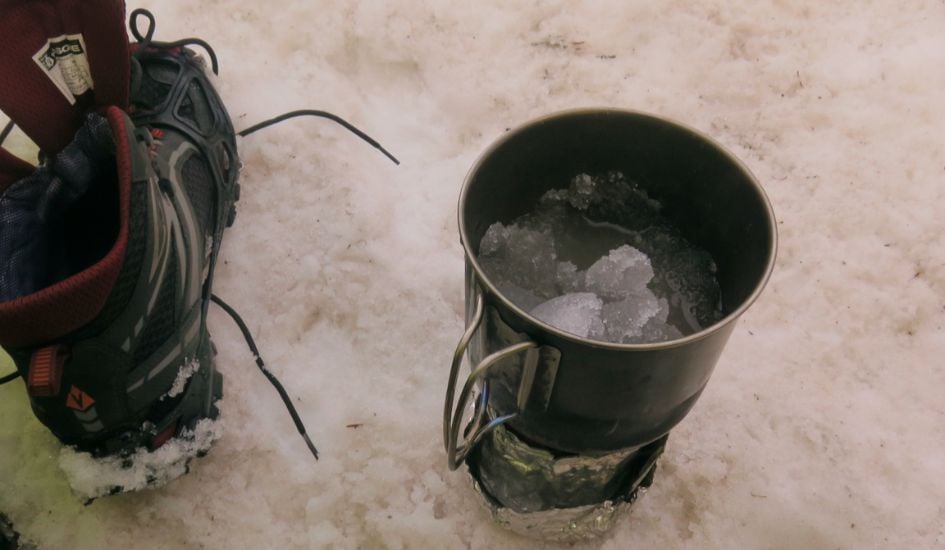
(572, 394)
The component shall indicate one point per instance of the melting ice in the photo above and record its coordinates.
(599, 260)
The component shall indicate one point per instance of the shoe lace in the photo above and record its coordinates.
(262, 367)
(147, 40)
(321, 114)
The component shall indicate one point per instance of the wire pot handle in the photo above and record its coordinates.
(479, 426)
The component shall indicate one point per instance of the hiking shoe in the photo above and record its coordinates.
(108, 247)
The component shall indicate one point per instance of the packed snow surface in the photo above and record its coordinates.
(823, 425)
(92, 477)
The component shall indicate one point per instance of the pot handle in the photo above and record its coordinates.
(478, 427)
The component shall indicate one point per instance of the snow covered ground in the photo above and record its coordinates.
(824, 424)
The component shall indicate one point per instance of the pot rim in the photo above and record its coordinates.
(490, 288)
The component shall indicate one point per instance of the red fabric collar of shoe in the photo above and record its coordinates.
(58, 59)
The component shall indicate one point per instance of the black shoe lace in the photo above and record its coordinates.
(322, 114)
(147, 40)
(262, 367)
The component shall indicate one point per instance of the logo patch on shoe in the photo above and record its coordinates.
(64, 61)
(79, 400)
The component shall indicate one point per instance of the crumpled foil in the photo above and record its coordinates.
(532, 492)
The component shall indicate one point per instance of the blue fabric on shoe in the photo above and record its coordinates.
(33, 234)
